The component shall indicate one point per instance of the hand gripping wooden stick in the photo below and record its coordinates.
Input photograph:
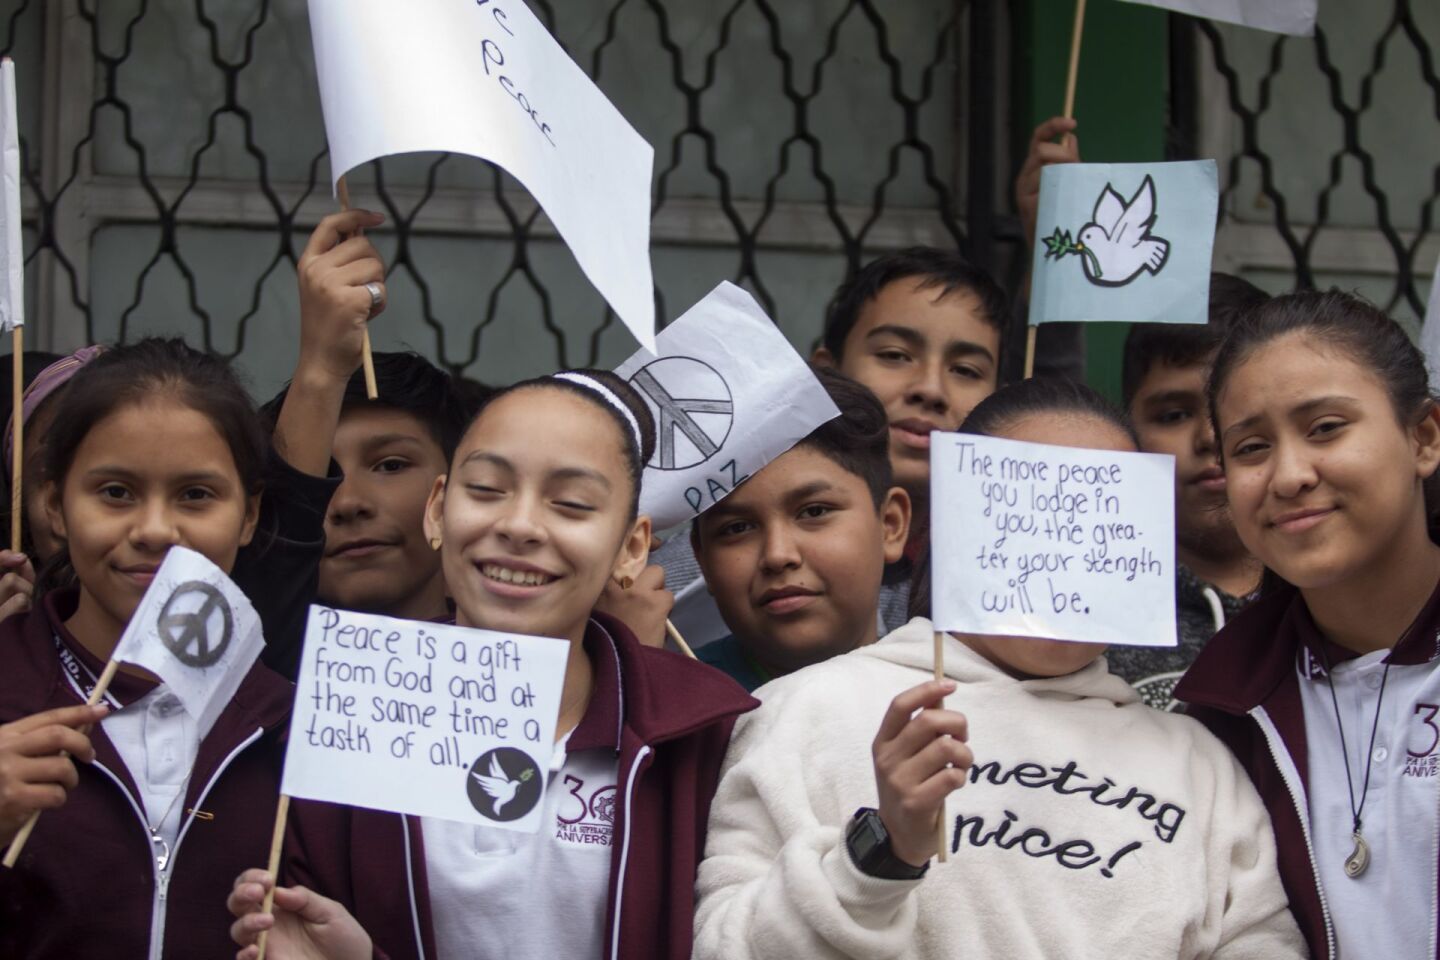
(367, 360)
(12, 854)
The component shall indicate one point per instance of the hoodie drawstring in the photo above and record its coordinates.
(1217, 611)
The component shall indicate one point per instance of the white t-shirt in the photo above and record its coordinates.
(502, 895)
(1388, 911)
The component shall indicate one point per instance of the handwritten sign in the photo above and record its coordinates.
(484, 78)
(729, 394)
(425, 719)
(1034, 540)
(195, 630)
(1124, 241)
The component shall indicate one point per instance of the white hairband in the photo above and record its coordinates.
(608, 395)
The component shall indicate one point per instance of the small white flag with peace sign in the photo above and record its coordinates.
(729, 394)
(195, 630)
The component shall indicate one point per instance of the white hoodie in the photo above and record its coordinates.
(1123, 832)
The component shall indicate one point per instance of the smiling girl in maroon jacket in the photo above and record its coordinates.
(154, 445)
(1327, 687)
(537, 514)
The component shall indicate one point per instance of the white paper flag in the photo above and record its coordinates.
(195, 630)
(1034, 540)
(12, 258)
(1295, 17)
(729, 394)
(486, 79)
(425, 719)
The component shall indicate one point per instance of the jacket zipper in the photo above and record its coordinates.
(162, 877)
(640, 757)
(410, 883)
(1290, 776)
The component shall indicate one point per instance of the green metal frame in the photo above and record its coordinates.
(1121, 102)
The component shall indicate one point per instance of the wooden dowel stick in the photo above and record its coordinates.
(367, 359)
(13, 853)
(679, 640)
(17, 438)
(277, 840)
(941, 834)
(1075, 34)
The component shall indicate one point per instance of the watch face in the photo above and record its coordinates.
(867, 834)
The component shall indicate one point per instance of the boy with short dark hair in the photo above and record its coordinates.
(794, 556)
(1163, 377)
(923, 330)
(390, 450)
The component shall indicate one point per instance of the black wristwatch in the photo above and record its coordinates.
(868, 842)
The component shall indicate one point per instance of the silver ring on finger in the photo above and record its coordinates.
(377, 294)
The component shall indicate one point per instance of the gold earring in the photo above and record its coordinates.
(626, 583)
(435, 543)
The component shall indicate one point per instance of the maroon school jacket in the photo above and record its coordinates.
(667, 718)
(1244, 686)
(86, 884)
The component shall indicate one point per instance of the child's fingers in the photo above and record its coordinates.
(940, 754)
(50, 741)
(924, 729)
(357, 273)
(19, 603)
(44, 772)
(932, 792)
(247, 929)
(17, 795)
(1052, 129)
(247, 894)
(651, 578)
(1052, 153)
(11, 560)
(354, 250)
(928, 694)
(77, 716)
(336, 227)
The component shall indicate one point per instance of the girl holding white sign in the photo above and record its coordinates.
(1327, 686)
(537, 514)
(1135, 829)
(154, 445)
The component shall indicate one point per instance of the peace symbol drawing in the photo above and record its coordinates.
(693, 409)
(196, 624)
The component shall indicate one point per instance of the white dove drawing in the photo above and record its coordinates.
(1118, 238)
(498, 785)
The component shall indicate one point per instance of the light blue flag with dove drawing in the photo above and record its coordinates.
(1127, 242)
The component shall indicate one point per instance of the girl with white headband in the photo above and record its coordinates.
(537, 515)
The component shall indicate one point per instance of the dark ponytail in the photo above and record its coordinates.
(1003, 410)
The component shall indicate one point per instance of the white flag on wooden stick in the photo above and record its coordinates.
(195, 630)
(1295, 17)
(486, 79)
(12, 297)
